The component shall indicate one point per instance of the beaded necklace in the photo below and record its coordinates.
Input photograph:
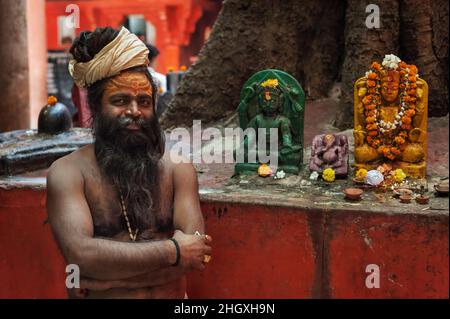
(125, 214)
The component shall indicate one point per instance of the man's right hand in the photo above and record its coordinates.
(193, 248)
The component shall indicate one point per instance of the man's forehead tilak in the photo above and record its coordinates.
(136, 82)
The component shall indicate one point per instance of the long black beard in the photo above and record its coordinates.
(130, 160)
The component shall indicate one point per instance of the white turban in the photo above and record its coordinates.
(124, 52)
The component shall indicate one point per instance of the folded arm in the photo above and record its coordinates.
(72, 225)
(187, 218)
(158, 277)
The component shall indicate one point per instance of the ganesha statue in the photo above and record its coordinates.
(329, 151)
(390, 117)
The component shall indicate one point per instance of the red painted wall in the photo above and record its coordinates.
(274, 252)
(259, 252)
(174, 21)
(411, 251)
(30, 263)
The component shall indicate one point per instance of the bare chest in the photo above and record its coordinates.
(108, 217)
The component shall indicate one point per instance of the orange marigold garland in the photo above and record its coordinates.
(372, 102)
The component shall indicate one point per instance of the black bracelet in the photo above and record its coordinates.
(178, 251)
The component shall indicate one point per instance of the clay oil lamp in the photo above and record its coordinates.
(402, 191)
(405, 199)
(442, 188)
(353, 194)
(422, 199)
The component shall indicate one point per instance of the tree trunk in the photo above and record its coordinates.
(424, 42)
(319, 44)
(252, 35)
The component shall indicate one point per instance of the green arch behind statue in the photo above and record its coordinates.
(293, 108)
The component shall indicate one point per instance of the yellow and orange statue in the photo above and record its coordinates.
(390, 117)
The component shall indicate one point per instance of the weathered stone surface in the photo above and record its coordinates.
(25, 150)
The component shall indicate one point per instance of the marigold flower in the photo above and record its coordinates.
(413, 68)
(376, 143)
(371, 83)
(387, 153)
(361, 174)
(329, 175)
(272, 83)
(406, 120)
(370, 113)
(406, 126)
(380, 149)
(390, 156)
(52, 100)
(264, 170)
(399, 175)
(366, 100)
(376, 66)
(410, 112)
(370, 119)
(399, 140)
